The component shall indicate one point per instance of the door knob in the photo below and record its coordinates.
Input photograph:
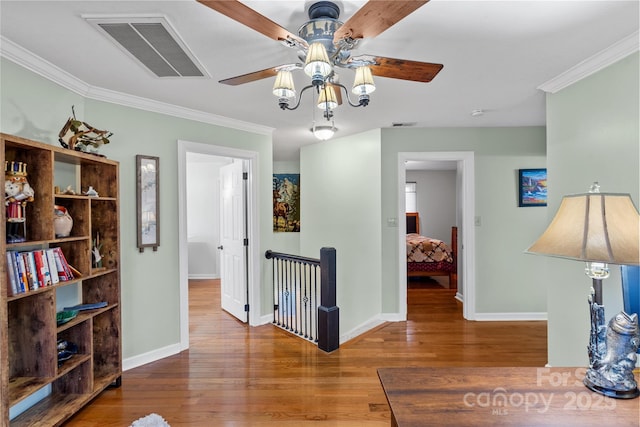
(220, 247)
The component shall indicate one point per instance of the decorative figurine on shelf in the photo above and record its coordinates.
(95, 252)
(80, 136)
(70, 191)
(91, 192)
(18, 193)
(62, 221)
(66, 350)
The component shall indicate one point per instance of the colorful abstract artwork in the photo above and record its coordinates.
(532, 187)
(286, 202)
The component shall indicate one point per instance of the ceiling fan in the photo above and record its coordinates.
(324, 43)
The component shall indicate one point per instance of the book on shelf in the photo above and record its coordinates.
(76, 273)
(53, 269)
(12, 275)
(22, 274)
(30, 266)
(64, 273)
(31, 270)
(16, 273)
(42, 266)
(38, 269)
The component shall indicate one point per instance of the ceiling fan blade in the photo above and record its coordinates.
(401, 68)
(249, 17)
(259, 75)
(375, 17)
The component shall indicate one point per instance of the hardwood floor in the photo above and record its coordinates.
(234, 375)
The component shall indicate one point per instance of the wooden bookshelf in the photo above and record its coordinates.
(28, 329)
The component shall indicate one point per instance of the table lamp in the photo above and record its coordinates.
(601, 229)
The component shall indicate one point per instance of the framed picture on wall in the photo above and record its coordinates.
(532, 187)
(148, 201)
(286, 202)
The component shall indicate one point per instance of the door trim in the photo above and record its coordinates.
(466, 203)
(253, 232)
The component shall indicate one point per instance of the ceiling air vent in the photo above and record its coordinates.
(402, 124)
(153, 42)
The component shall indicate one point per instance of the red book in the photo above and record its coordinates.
(65, 264)
(39, 272)
(42, 266)
(62, 275)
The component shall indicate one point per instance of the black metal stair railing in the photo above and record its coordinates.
(304, 293)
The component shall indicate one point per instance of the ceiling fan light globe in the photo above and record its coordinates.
(363, 83)
(324, 132)
(283, 86)
(317, 61)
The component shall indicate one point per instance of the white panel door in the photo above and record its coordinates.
(232, 235)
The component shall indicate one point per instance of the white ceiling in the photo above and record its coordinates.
(495, 55)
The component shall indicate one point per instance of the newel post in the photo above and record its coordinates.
(328, 312)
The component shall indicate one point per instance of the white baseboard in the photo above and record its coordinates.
(510, 317)
(203, 276)
(267, 318)
(349, 335)
(170, 350)
(361, 329)
(392, 317)
(151, 356)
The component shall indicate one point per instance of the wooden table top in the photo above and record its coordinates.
(500, 396)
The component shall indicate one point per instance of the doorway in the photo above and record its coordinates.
(249, 158)
(465, 196)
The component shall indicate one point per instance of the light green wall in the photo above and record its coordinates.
(33, 107)
(340, 205)
(504, 279)
(150, 283)
(592, 135)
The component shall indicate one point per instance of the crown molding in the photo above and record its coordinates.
(593, 64)
(26, 59)
(153, 106)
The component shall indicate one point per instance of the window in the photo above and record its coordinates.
(411, 197)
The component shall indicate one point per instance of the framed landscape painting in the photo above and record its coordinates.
(532, 185)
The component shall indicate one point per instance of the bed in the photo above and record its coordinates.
(428, 257)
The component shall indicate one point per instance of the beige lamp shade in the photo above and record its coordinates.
(363, 83)
(317, 61)
(283, 86)
(327, 99)
(593, 227)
